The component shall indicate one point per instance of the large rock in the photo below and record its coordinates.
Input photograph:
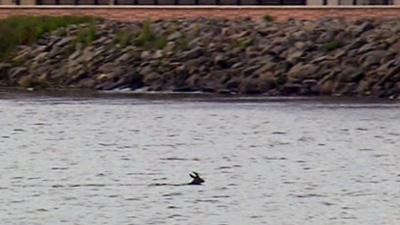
(194, 53)
(300, 72)
(16, 72)
(87, 83)
(348, 89)
(65, 41)
(372, 58)
(351, 74)
(267, 81)
(3, 70)
(326, 87)
(249, 86)
(26, 81)
(363, 27)
(292, 89)
(174, 36)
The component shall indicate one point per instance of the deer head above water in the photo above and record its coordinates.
(197, 180)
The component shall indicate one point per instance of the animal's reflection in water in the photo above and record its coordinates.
(197, 180)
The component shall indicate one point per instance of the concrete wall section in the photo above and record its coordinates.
(28, 2)
(315, 2)
(6, 2)
(205, 2)
(130, 13)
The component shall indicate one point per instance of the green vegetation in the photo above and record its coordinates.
(124, 38)
(160, 42)
(148, 39)
(61, 32)
(87, 35)
(145, 36)
(184, 44)
(242, 42)
(26, 30)
(332, 45)
(267, 18)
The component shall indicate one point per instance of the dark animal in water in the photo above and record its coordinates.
(197, 180)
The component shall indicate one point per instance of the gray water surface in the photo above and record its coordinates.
(69, 160)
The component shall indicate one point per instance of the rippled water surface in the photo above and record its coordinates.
(68, 160)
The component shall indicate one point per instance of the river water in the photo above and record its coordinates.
(118, 160)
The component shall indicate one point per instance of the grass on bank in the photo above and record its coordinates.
(146, 38)
(26, 30)
(87, 36)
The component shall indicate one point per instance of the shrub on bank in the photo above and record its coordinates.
(124, 38)
(87, 35)
(148, 39)
(267, 18)
(26, 30)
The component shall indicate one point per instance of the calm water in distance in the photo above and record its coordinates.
(115, 160)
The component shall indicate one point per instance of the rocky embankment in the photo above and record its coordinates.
(324, 57)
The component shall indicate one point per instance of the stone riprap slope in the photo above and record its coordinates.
(322, 57)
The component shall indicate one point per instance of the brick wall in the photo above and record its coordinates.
(128, 13)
